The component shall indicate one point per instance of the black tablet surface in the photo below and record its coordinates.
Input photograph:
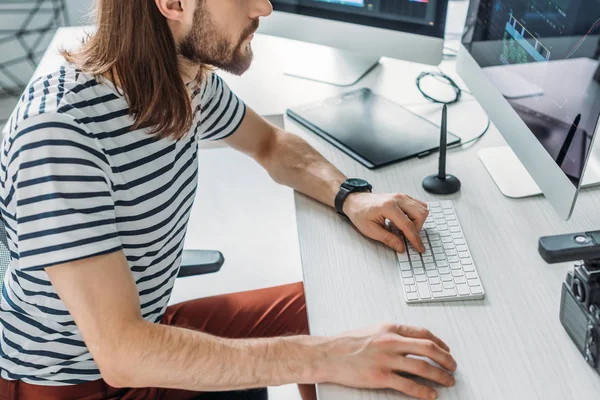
(369, 128)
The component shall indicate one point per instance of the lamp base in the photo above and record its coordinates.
(433, 184)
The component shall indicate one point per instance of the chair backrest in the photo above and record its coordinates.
(4, 253)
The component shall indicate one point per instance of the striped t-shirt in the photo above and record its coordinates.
(77, 182)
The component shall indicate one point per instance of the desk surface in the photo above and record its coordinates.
(510, 345)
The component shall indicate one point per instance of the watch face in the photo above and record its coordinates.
(357, 183)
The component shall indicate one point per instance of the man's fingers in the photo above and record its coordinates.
(416, 200)
(424, 370)
(421, 333)
(410, 387)
(417, 212)
(389, 239)
(429, 349)
(408, 228)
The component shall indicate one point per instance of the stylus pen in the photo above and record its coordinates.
(569, 139)
(443, 139)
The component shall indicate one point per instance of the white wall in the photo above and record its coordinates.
(78, 10)
(13, 49)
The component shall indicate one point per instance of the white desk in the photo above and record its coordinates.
(508, 346)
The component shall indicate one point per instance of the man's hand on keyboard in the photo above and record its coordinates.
(368, 212)
(376, 358)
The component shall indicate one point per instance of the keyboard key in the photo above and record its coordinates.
(429, 225)
(455, 266)
(451, 252)
(417, 263)
(477, 290)
(408, 281)
(448, 212)
(449, 245)
(402, 257)
(447, 239)
(446, 278)
(427, 253)
(445, 234)
(421, 278)
(459, 241)
(438, 250)
(412, 296)
(469, 268)
(407, 274)
(451, 218)
(442, 263)
(430, 267)
(463, 289)
(440, 257)
(457, 235)
(436, 288)
(460, 279)
(471, 275)
(419, 271)
(407, 289)
(457, 272)
(432, 274)
(442, 228)
(405, 266)
(448, 285)
(428, 260)
(474, 282)
(466, 261)
(463, 254)
(454, 229)
(423, 290)
(444, 294)
(453, 259)
(444, 271)
(446, 205)
(434, 281)
(452, 224)
(461, 247)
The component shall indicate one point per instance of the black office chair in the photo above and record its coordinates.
(193, 263)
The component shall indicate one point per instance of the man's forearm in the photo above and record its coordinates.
(151, 355)
(293, 162)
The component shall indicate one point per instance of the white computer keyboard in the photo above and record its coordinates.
(445, 272)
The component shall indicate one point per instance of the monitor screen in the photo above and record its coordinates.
(542, 55)
(417, 16)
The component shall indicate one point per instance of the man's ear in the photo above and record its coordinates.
(173, 10)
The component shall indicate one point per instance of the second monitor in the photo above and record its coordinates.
(357, 33)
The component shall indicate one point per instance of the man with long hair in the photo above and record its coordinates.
(99, 173)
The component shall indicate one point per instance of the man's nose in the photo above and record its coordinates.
(260, 8)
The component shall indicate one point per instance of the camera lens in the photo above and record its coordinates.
(578, 290)
(595, 312)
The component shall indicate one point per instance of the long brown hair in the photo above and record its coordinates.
(134, 41)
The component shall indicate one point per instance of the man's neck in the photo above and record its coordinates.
(188, 70)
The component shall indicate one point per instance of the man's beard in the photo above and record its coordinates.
(204, 44)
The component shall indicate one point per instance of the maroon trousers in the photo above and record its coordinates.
(269, 312)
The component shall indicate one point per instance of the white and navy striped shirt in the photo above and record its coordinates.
(77, 182)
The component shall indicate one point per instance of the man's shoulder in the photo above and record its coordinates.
(54, 95)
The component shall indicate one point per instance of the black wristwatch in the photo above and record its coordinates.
(353, 185)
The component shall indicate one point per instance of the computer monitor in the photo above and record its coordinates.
(532, 64)
(411, 30)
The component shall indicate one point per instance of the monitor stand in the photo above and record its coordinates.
(514, 181)
(329, 65)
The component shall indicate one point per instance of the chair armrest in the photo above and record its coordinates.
(200, 262)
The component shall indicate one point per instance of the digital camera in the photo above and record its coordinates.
(580, 299)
